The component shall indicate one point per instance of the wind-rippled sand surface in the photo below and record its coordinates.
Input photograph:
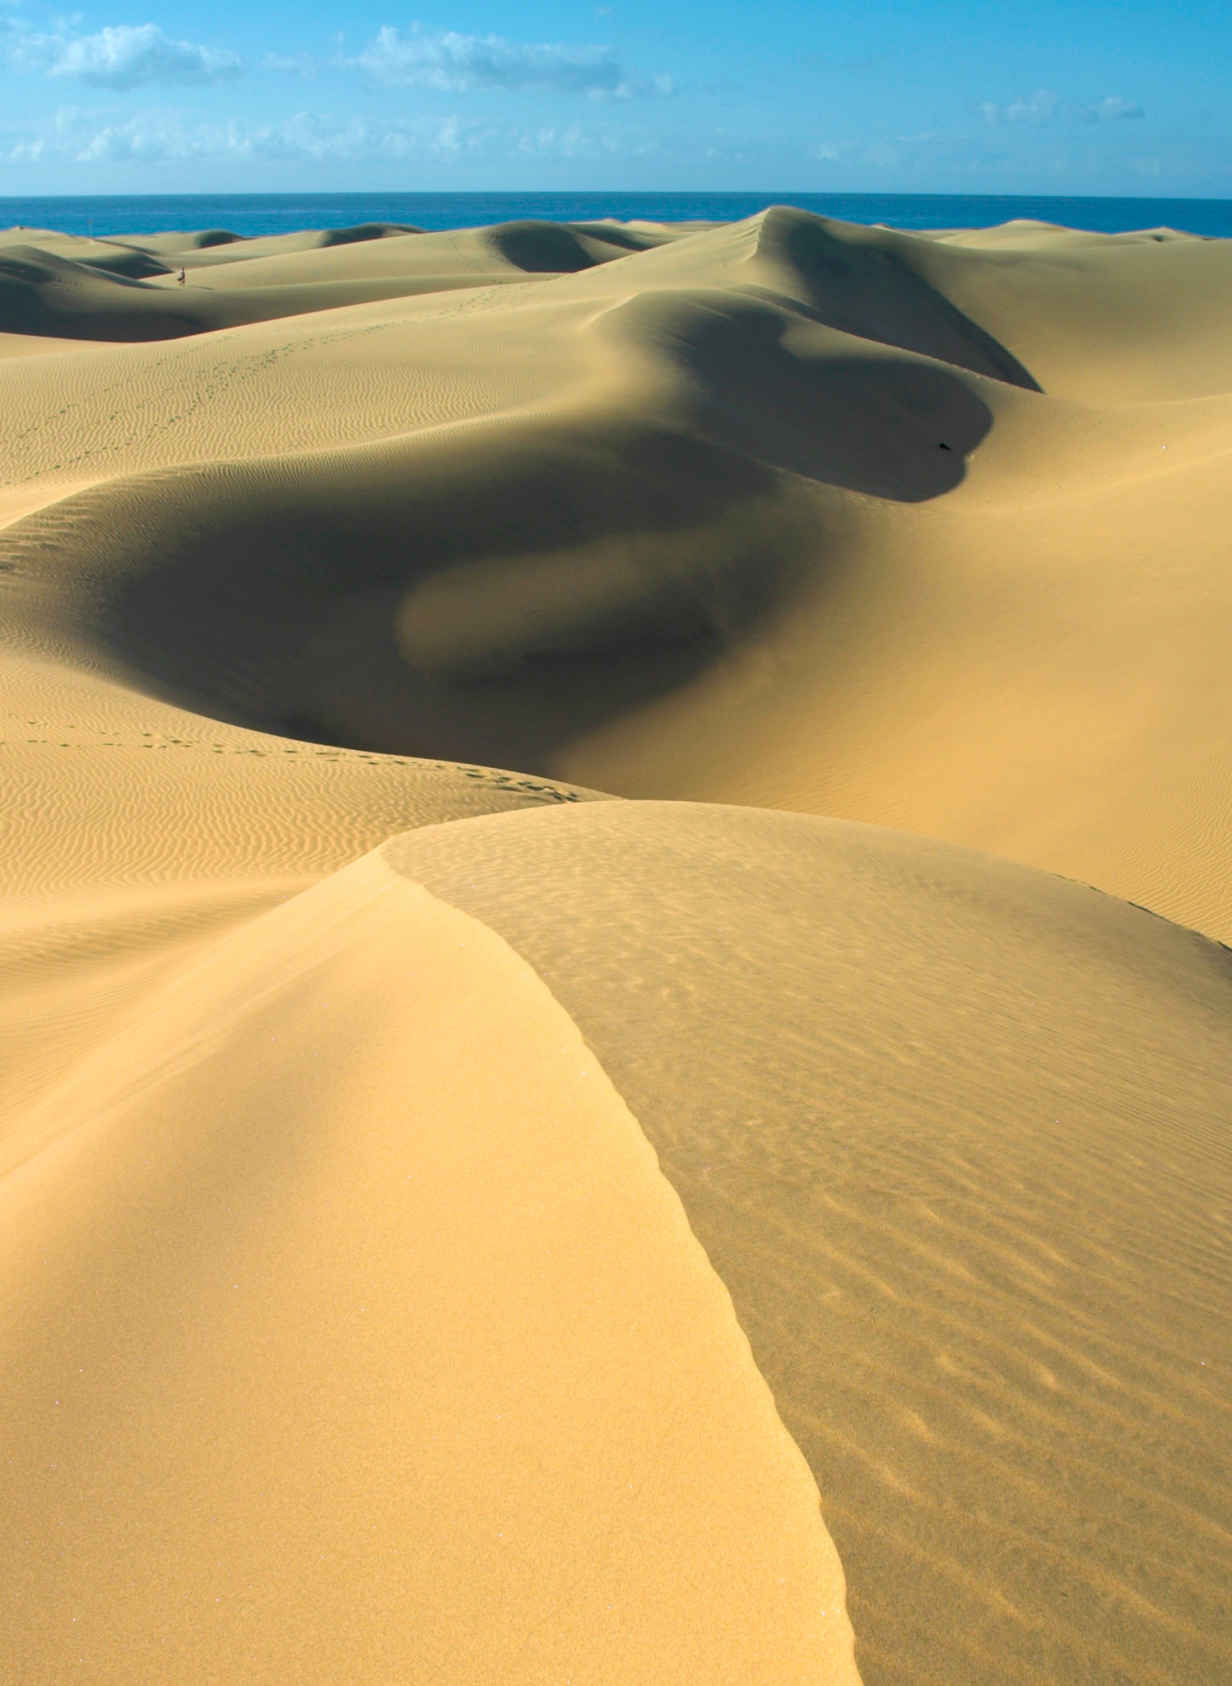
(581, 1096)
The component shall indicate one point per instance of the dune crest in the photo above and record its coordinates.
(955, 1136)
(454, 1396)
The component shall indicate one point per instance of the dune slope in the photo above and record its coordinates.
(956, 1137)
(772, 513)
(391, 1355)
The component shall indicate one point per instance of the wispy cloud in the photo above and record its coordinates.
(1111, 109)
(455, 63)
(290, 64)
(1043, 107)
(1038, 108)
(573, 140)
(165, 135)
(119, 56)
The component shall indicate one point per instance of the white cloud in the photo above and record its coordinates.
(1112, 108)
(132, 139)
(574, 140)
(1040, 107)
(119, 56)
(458, 63)
(290, 64)
(885, 154)
(160, 136)
(164, 135)
(309, 136)
(128, 55)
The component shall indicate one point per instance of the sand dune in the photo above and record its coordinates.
(495, 1403)
(104, 290)
(510, 251)
(41, 293)
(113, 255)
(866, 282)
(388, 1108)
(955, 1135)
(1107, 319)
(953, 585)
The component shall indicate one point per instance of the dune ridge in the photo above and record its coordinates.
(580, 1087)
(965, 1204)
(373, 1356)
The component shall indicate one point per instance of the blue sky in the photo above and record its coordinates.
(1114, 97)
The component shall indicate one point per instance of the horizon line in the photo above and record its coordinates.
(779, 194)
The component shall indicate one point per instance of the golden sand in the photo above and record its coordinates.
(739, 1196)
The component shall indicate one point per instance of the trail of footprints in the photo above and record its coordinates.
(221, 379)
(540, 789)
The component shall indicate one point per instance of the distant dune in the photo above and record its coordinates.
(582, 1095)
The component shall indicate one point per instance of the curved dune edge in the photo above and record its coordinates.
(955, 1134)
(389, 1352)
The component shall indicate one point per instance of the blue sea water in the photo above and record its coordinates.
(268, 213)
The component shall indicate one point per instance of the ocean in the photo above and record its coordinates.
(280, 213)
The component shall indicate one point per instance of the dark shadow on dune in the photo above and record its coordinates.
(483, 604)
(205, 238)
(362, 231)
(104, 296)
(125, 261)
(44, 294)
(26, 265)
(199, 241)
(894, 430)
(624, 240)
(890, 426)
(48, 295)
(140, 259)
(492, 594)
(863, 286)
(540, 248)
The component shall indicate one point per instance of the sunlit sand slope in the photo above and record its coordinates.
(958, 1139)
(351, 1333)
(132, 832)
(773, 513)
